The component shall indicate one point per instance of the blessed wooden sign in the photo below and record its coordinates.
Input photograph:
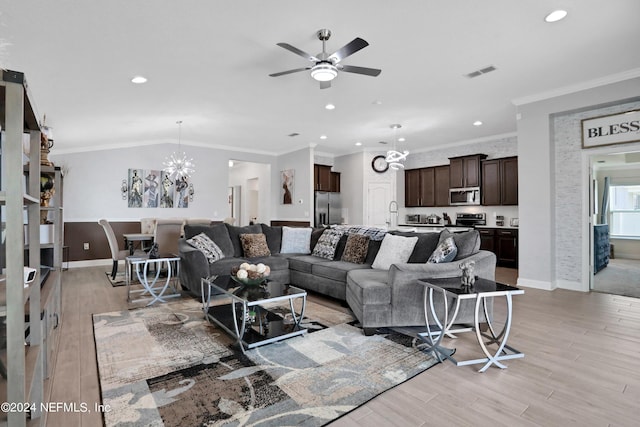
(612, 129)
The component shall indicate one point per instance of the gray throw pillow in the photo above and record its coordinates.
(274, 237)
(468, 242)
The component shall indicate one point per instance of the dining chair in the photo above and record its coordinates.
(166, 234)
(117, 254)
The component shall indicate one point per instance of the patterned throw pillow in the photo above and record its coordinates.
(296, 240)
(445, 252)
(207, 246)
(254, 245)
(394, 250)
(326, 246)
(356, 249)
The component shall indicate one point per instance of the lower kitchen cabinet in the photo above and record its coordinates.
(503, 242)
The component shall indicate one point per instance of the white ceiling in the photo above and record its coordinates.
(207, 64)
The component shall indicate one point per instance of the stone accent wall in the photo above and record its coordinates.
(569, 188)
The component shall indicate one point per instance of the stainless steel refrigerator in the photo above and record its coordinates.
(328, 208)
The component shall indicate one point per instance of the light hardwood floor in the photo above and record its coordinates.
(581, 365)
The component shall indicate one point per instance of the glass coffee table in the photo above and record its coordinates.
(242, 310)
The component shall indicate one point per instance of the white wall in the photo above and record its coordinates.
(351, 186)
(543, 172)
(92, 185)
(301, 161)
(245, 175)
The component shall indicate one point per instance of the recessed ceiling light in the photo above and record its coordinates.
(330, 106)
(555, 16)
(377, 102)
(230, 163)
(401, 139)
(477, 123)
(323, 136)
(358, 144)
(139, 80)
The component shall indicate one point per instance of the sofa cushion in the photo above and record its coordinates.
(372, 252)
(326, 246)
(445, 252)
(468, 242)
(207, 246)
(335, 270)
(218, 233)
(275, 263)
(427, 243)
(304, 263)
(296, 240)
(356, 249)
(369, 286)
(254, 245)
(315, 236)
(274, 237)
(394, 249)
(234, 235)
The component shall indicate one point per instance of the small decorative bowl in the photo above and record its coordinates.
(250, 282)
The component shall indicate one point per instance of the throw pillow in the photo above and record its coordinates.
(327, 243)
(468, 242)
(394, 250)
(254, 245)
(296, 240)
(216, 232)
(445, 252)
(234, 235)
(207, 246)
(356, 249)
(274, 237)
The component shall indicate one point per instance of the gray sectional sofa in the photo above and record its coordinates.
(378, 297)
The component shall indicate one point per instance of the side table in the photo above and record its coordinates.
(154, 287)
(480, 291)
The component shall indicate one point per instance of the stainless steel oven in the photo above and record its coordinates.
(464, 196)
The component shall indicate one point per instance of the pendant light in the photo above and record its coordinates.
(178, 165)
(394, 157)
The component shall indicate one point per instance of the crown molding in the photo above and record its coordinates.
(578, 87)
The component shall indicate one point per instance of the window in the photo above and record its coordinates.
(624, 202)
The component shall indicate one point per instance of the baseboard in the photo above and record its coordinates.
(571, 286)
(536, 284)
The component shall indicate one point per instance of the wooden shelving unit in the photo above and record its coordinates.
(27, 336)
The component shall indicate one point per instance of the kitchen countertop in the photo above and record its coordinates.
(506, 227)
(434, 228)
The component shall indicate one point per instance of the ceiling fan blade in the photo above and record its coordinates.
(349, 49)
(373, 72)
(325, 85)
(297, 51)
(282, 73)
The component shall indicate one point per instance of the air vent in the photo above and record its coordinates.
(480, 72)
(293, 134)
(382, 142)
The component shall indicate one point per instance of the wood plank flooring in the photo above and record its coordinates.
(581, 364)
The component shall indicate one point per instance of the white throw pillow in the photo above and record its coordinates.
(394, 250)
(296, 240)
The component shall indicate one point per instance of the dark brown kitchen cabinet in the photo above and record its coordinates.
(464, 171)
(322, 177)
(503, 242)
(441, 174)
(335, 182)
(507, 247)
(419, 187)
(500, 181)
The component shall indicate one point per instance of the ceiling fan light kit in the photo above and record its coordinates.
(326, 67)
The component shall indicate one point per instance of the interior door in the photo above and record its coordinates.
(379, 197)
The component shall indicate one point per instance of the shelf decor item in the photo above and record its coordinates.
(250, 274)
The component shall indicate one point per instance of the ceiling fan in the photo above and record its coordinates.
(326, 66)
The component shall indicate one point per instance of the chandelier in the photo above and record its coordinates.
(394, 157)
(178, 165)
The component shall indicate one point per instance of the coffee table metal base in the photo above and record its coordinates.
(251, 324)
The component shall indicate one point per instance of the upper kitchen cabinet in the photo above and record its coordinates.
(441, 174)
(500, 181)
(426, 187)
(464, 171)
(322, 177)
(334, 186)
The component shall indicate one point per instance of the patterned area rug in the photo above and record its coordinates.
(166, 366)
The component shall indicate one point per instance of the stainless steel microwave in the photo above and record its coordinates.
(464, 196)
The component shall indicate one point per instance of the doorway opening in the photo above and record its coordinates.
(251, 187)
(615, 218)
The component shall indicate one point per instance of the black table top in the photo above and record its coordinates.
(454, 286)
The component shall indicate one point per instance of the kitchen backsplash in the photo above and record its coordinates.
(508, 212)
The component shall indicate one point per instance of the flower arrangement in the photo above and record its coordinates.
(250, 274)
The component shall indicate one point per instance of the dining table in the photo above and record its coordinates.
(131, 238)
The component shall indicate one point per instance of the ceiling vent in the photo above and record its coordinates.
(480, 72)
(382, 142)
(293, 134)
